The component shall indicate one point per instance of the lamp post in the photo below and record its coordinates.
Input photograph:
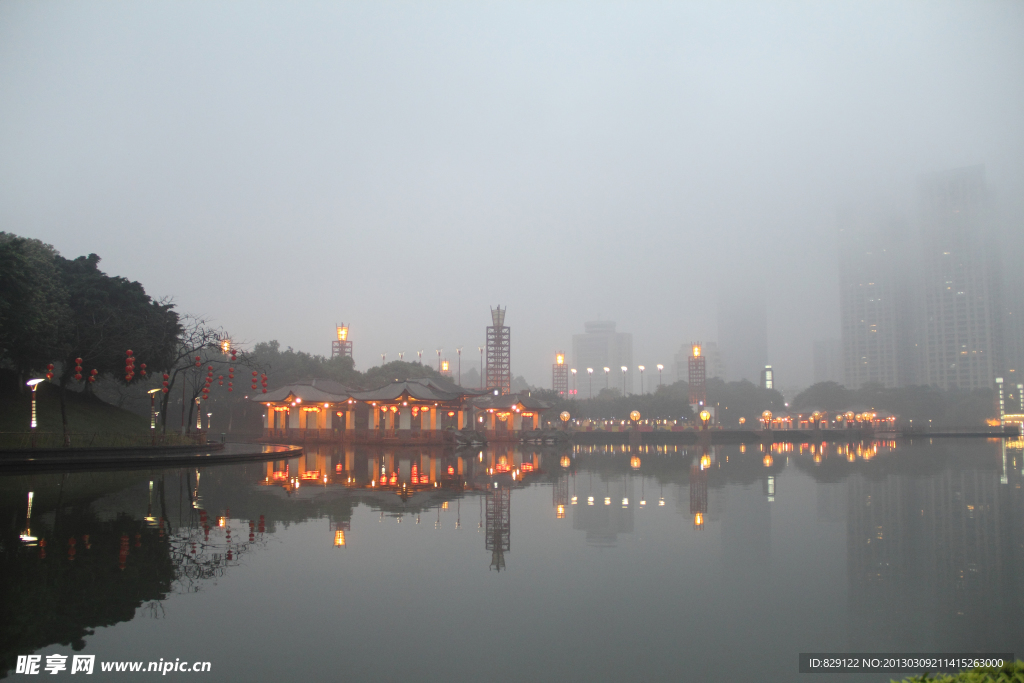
(660, 368)
(34, 383)
(419, 356)
(481, 349)
(199, 416)
(383, 358)
(152, 406)
(641, 379)
(401, 355)
(439, 359)
(573, 371)
(624, 369)
(590, 372)
(459, 351)
(607, 374)
(209, 417)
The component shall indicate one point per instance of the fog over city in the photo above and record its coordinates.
(402, 167)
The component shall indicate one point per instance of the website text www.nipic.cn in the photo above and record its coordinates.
(86, 664)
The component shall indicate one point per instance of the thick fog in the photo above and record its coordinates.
(400, 167)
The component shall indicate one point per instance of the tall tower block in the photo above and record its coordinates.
(499, 368)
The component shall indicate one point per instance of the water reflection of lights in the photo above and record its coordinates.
(590, 500)
(768, 461)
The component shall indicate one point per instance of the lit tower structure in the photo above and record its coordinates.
(499, 522)
(499, 370)
(696, 378)
(560, 375)
(341, 346)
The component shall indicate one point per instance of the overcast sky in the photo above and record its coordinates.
(281, 167)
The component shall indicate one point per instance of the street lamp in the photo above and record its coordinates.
(481, 349)
(660, 368)
(641, 379)
(152, 406)
(590, 371)
(606, 375)
(439, 359)
(624, 369)
(573, 371)
(401, 355)
(209, 416)
(34, 383)
(383, 358)
(459, 351)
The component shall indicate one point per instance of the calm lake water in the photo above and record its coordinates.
(514, 564)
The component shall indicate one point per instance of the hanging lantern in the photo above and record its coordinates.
(129, 353)
(92, 378)
(78, 377)
(264, 391)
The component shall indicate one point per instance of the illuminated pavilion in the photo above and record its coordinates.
(414, 410)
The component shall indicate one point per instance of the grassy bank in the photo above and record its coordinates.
(86, 413)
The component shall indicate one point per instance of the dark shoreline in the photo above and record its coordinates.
(28, 460)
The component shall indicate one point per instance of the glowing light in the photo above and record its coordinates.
(339, 538)
(634, 462)
(696, 350)
(560, 358)
(564, 416)
(342, 332)
(634, 415)
(767, 461)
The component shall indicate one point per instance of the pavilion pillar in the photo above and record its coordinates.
(350, 419)
(490, 423)
(462, 418)
(405, 419)
(433, 426)
(389, 422)
(328, 414)
(374, 418)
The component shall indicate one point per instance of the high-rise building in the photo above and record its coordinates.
(601, 346)
(871, 288)
(828, 361)
(962, 330)
(743, 334)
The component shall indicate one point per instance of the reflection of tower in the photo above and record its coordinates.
(696, 376)
(560, 375)
(341, 346)
(498, 525)
(698, 494)
(499, 369)
(560, 496)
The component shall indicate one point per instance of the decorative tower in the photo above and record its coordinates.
(499, 370)
(497, 538)
(696, 378)
(341, 346)
(560, 375)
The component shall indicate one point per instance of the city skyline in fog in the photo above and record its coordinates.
(402, 168)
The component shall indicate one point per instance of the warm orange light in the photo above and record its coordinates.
(634, 462)
(342, 332)
(560, 512)
(705, 461)
(560, 358)
(768, 461)
(634, 415)
(339, 538)
(766, 416)
(564, 416)
(698, 520)
(696, 350)
(565, 462)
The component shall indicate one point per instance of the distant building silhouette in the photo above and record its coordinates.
(599, 347)
(963, 317)
(743, 334)
(714, 365)
(828, 361)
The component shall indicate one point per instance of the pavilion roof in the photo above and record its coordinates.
(424, 389)
(309, 390)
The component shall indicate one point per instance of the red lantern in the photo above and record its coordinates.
(129, 352)
(94, 372)
(50, 367)
(78, 377)
(78, 361)
(165, 389)
(254, 373)
(92, 378)
(264, 390)
(166, 376)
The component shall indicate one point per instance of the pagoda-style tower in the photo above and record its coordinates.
(499, 369)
